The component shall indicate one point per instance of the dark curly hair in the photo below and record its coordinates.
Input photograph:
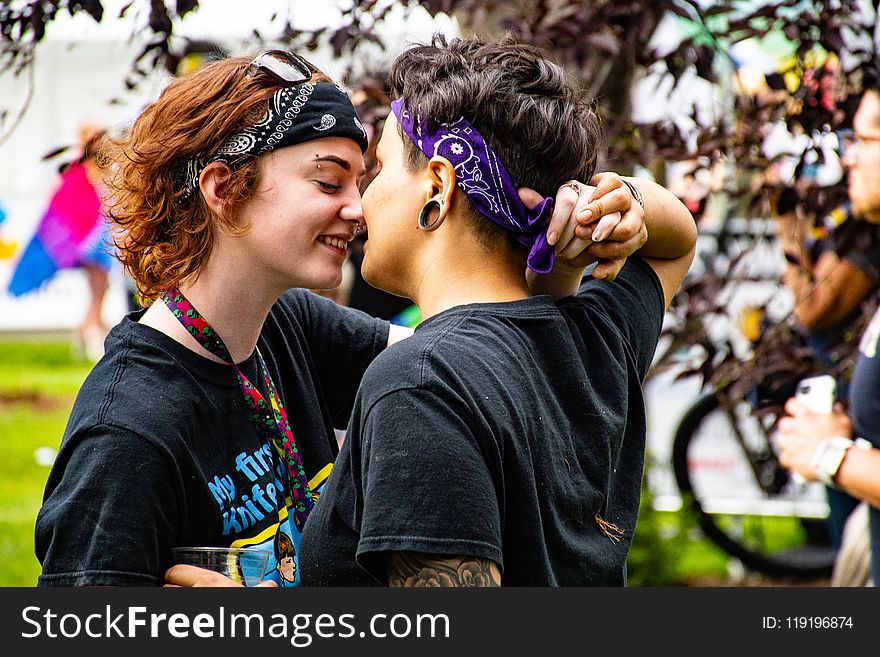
(522, 104)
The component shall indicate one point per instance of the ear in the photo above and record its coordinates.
(212, 183)
(441, 181)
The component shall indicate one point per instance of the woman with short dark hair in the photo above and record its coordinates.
(503, 442)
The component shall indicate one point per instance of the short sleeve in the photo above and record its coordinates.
(866, 260)
(425, 481)
(108, 512)
(633, 303)
(342, 343)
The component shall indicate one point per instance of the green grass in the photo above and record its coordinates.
(668, 549)
(38, 382)
(42, 367)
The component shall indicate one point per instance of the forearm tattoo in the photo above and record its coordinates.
(420, 569)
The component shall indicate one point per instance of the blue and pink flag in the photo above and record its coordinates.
(68, 235)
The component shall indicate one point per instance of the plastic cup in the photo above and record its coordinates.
(246, 566)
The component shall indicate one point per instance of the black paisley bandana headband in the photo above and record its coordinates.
(294, 115)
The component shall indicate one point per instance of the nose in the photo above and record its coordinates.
(352, 210)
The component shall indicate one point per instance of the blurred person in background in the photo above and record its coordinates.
(833, 273)
(74, 233)
(7, 249)
(841, 449)
(832, 263)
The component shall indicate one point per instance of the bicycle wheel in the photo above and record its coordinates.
(745, 501)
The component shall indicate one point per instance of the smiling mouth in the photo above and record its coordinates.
(335, 242)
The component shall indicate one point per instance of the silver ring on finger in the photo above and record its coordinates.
(573, 184)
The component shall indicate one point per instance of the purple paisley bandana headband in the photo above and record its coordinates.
(485, 181)
(294, 115)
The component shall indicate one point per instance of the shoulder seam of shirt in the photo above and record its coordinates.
(422, 364)
(115, 379)
(426, 349)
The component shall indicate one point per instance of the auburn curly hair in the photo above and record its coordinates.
(162, 235)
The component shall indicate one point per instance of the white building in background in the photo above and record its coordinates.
(72, 82)
(79, 77)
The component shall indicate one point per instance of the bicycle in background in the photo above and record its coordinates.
(744, 500)
(722, 454)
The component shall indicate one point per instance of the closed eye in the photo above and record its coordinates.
(328, 186)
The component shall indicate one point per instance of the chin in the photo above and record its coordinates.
(372, 276)
(323, 279)
(329, 282)
(368, 274)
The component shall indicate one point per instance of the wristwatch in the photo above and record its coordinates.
(830, 454)
(636, 194)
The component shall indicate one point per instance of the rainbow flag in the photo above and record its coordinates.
(66, 235)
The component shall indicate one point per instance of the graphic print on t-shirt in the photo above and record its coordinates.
(285, 559)
(256, 512)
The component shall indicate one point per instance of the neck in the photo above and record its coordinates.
(459, 274)
(234, 305)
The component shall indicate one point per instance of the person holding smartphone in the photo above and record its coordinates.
(841, 448)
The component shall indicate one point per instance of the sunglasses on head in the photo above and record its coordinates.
(284, 66)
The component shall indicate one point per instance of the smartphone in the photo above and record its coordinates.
(817, 393)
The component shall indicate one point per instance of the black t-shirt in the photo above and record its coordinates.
(865, 387)
(159, 450)
(864, 411)
(853, 240)
(499, 431)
